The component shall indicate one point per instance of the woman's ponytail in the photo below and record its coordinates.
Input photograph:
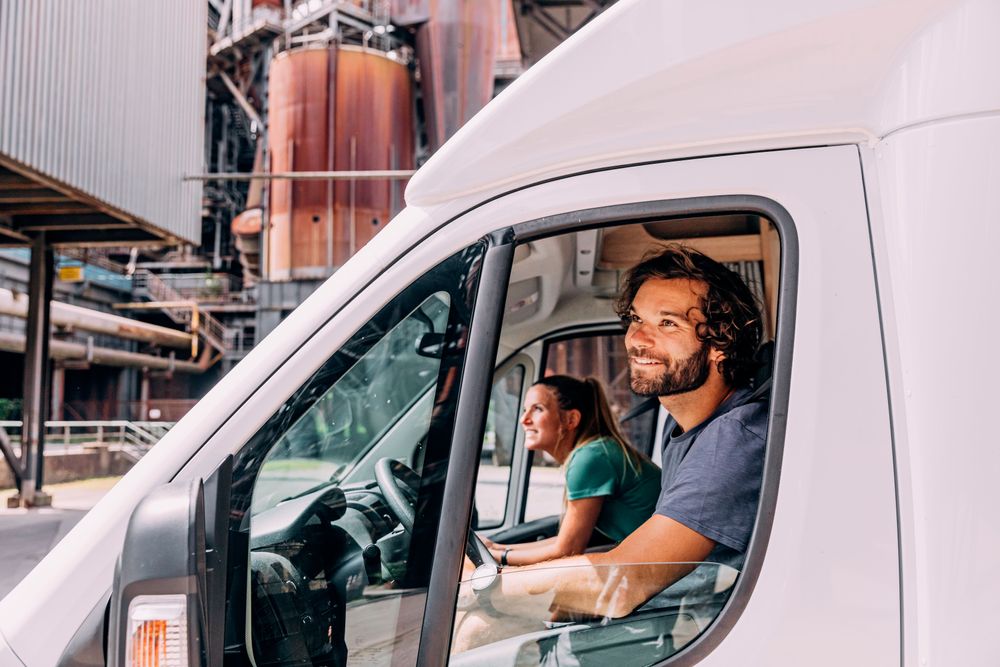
(596, 418)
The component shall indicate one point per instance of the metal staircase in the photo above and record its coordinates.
(183, 311)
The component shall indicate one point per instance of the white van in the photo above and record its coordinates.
(842, 156)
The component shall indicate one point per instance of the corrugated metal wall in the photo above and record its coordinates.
(108, 97)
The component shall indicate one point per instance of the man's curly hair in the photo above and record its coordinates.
(732, 324)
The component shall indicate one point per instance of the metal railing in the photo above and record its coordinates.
(136, 411)
(239, 343)
(95, 257)
(212, 330)
(133, 439)
(207, 287)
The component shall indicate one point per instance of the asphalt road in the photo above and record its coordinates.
(26, 536)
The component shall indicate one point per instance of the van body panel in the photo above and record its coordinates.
(649, 79)
(7, 656)
(935, 231)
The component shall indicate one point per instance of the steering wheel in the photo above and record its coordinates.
(398, 484)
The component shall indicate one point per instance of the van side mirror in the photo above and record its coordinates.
(431, 345)
(158, 613)
(436, 346)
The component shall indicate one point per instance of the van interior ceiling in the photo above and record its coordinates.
(555, 280)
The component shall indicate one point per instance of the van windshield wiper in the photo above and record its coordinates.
(316, 487)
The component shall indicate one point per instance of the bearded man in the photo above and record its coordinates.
(693, 330)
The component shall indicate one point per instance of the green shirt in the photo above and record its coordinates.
(601, 468)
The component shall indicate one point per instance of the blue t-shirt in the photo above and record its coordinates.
(712, 475)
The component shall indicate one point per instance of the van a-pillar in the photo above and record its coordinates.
(36, 374)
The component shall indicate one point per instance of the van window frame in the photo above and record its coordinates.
(443, 585)
(467, 444)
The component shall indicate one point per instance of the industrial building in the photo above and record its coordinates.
(175, 179)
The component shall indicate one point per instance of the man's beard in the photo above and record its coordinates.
(678, 376)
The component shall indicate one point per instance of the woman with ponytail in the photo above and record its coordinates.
(610, 488)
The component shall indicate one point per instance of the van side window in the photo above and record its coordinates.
(619, 560)
(492, 485)
(337, 497)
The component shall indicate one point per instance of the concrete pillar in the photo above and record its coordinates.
(125, 393)
(58, 391)
(36, 373)
(144, 396)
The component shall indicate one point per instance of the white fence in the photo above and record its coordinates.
(132, 438)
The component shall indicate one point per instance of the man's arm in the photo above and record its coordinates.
(614, 583)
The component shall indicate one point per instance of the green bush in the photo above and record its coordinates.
(10, 409)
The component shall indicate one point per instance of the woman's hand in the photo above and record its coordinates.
(574, 533)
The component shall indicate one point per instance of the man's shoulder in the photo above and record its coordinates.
(749, 418)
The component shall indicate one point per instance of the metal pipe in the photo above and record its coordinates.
(61, 349)
(361, 175)
(331, 133)
(87, 319)
(290, 225)
(352, 226)
(164, 305)
(241, 99)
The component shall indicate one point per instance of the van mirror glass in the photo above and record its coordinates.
(434, 346)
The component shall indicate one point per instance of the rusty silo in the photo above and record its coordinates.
(333, 109)
(457, 48)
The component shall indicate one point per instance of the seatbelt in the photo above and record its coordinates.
(642, 408)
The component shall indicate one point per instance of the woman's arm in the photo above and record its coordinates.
(574, 534)
(516, 545)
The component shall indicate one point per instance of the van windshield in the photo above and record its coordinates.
(352, 416)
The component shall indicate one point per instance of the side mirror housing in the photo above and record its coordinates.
(158, 604)
(436, 346)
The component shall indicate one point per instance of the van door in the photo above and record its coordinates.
(822, 568)
(355, 463)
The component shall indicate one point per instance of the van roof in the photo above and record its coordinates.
(663, 79)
